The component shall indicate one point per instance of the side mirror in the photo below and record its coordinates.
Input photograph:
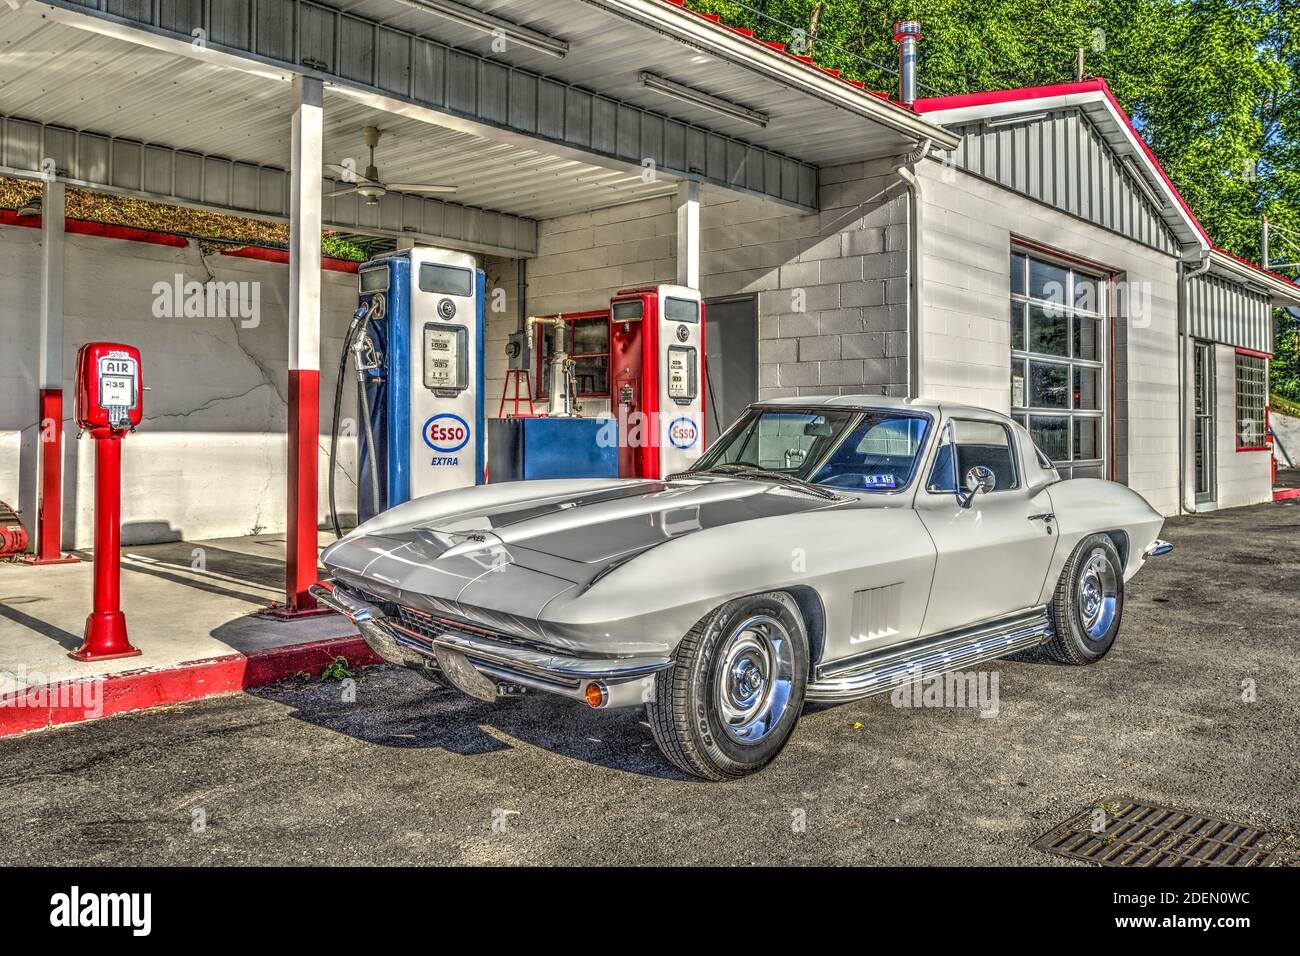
(979, 480)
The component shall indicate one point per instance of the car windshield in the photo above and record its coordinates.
(838, 448)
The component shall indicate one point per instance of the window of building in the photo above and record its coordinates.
(1058, 369)
(588, 346)
(1252, 398)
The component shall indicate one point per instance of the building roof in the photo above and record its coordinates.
(1098, 103)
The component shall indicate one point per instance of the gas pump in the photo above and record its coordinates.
(108, 406)
(656, 361)
(415, 347)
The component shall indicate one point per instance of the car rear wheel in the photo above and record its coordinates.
(1088, 603)
(728, 704)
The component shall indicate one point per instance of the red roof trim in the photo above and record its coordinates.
(931, 103)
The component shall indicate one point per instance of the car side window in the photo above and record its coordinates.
(974, 443)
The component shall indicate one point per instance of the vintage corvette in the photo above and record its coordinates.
(822, 549)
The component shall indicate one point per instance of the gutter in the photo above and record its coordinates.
(906, 170)
(1183, 276)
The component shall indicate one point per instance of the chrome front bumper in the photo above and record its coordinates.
(1157, 547)
(482, 666)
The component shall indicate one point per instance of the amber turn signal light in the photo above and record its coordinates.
(595, 695)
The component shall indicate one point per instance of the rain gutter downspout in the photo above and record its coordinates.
(1183, 276)
(906, 170)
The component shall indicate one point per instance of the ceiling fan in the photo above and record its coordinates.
(369, 186)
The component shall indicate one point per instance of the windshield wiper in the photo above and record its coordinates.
(762, 474)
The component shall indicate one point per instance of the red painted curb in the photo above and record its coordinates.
(1281, 494)
(36, 708)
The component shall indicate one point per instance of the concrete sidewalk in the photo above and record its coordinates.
(184, 602)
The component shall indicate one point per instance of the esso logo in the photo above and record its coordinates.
(446, 433)
(683, 433)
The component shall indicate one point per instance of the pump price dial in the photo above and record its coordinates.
(446, 360)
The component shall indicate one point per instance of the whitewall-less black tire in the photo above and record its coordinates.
(734, 693)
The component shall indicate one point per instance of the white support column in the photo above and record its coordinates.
(304, 342)
(688, 234)
(53, 214)
(306, 171)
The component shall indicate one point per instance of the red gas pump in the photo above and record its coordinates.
(109, 385)
(656, 361)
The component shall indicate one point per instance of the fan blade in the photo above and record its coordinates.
(419, 188)
(347, 191)
(341, 170)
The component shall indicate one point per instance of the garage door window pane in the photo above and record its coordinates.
(1018, 326)
(1048, 330)
(1017, 274)
(1052, 435)
(1048, 281)
(1087, 438)
(1085, 388)
(1087, 337)
(1049, 385)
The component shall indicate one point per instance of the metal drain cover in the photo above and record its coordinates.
(1121, 832)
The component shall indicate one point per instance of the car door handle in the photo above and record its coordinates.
(1046, 518)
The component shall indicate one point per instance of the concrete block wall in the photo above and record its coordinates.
(831, 287)
(209, 459)
(969, 227)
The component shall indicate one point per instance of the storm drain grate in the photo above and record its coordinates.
(1120, 832)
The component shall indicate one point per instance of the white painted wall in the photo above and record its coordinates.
(1287, 431)
(209, 459)
(969, 225)
(1241, 477)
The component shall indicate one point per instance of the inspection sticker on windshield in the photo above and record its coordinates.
(879, 481)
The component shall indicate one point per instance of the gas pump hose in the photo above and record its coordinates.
(360, 320)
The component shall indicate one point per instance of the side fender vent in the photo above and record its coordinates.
(876, 613)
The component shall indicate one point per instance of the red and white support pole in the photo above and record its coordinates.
(304, 342)
(49, 436)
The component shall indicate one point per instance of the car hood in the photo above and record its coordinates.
(502, 550)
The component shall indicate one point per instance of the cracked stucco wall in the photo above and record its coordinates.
(209, 459)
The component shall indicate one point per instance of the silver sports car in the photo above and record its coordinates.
(822, 549)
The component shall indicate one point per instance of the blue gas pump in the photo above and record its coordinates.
(416, 347)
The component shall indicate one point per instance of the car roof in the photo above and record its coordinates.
(883, 401)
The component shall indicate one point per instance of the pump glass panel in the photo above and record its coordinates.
(681, 373)
(446, 280)
(681, 310)
(117, 383)
(374, 280)
(629, 311)
(446, 359)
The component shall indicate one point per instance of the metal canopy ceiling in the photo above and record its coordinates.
(612, 41)
(62, 75)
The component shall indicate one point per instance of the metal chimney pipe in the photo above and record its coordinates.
(906, 35)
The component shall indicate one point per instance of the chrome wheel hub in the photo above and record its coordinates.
(1097, 595)
(754, 678)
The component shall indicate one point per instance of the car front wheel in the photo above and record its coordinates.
(735, 691)
(1088, 603)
